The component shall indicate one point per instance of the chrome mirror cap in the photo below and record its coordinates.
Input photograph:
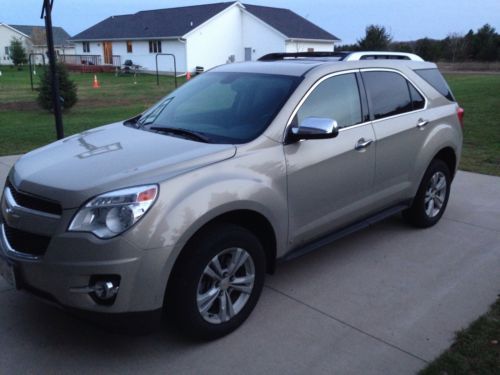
(315, 128)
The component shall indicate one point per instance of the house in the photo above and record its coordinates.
(203, 35)
(34, 41)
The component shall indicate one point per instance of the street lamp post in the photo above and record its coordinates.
(47, 15)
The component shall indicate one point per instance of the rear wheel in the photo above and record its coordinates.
(432, 196)
(217, 282)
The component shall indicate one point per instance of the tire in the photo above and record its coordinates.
(423, 213)
(203, 281)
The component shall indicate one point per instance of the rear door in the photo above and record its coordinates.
(401, 126)
(330, 181)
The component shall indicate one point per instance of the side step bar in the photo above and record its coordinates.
(365, 223)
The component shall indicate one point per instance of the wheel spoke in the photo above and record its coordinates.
(211, 273)
(230, 307)
(430, 208)
(223, 313)
(206, 300)
(215, 263)
(243, 284)
(441, 184)
(238, 259)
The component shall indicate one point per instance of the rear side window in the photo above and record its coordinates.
(336, 98)
(417, 100)
(436, 80)
(388, 92)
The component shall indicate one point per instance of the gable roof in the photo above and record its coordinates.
(177, 22)
(289, 23)
(61, 37)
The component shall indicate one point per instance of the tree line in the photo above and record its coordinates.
(482, 45)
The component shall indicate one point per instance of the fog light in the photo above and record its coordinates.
(105, 290)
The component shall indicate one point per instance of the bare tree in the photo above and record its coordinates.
(456, 45)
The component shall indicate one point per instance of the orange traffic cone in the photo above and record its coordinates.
(96, 84)
(188, 76)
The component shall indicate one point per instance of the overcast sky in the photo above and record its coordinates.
(406, 20)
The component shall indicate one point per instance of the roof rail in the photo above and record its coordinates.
(343, 56)
(294, 55)
(381, 55)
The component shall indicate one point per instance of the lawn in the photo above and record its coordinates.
(23, 126)
(475, 351)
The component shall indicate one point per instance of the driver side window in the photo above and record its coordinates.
(336, 98)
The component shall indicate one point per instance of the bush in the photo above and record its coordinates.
(67, 89)
(17, 53)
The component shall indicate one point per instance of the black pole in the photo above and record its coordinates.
(175, 68)
(47, 9)
(31, 72)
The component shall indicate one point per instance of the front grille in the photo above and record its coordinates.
(25, 242)
(34, 203)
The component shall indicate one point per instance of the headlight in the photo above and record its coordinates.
(110, 214)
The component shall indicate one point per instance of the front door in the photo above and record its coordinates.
(248, 54)
(330, 181)
(108, 52)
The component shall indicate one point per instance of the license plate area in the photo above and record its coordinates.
(8, 272)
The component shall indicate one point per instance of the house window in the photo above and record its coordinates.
(310, 50)
(129, 46)
(7, 52)
(86, 47)
(155, 46)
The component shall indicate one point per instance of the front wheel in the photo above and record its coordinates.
(217, 282)
(432, 196)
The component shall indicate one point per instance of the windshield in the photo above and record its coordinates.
(221, 107)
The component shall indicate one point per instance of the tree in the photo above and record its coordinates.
(428, 49)
(376, 38)
(401, 47)
(455, 47)
(17, 52)
(67, 89)
(485, 42)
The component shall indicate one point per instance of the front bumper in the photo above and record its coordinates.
(72, 259)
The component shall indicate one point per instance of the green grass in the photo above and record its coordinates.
(475, 351)
(479, 95)
(23, 126)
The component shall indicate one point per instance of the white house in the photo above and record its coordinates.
(34, 41)
(203, 35)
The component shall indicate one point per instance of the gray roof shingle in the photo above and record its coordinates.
(61, 37)
(177, 22)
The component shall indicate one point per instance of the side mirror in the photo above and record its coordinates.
(315, 128)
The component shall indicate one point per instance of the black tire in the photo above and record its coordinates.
(181, 297)
(416, 214)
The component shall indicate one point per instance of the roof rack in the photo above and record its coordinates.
(295, 55)
(343, 56)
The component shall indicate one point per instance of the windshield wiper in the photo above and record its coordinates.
(182, 132)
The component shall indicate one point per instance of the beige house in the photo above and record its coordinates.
(34, 41)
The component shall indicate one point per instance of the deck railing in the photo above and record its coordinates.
(88, 60)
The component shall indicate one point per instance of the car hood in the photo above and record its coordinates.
(111, 157)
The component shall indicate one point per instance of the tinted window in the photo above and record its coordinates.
(417, 100)
(336, 98)
(226, 107)
(388, 93)
(436, 80)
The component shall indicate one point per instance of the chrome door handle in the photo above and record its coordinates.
(421, 123)
(362, 144)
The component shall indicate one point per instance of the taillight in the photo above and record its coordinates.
(460, 114)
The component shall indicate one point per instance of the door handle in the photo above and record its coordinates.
(422, 123)
(362, 144)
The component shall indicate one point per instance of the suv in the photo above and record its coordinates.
(185, 207)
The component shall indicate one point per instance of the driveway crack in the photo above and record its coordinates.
(347, 324)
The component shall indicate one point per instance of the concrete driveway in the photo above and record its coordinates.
(383, 301)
